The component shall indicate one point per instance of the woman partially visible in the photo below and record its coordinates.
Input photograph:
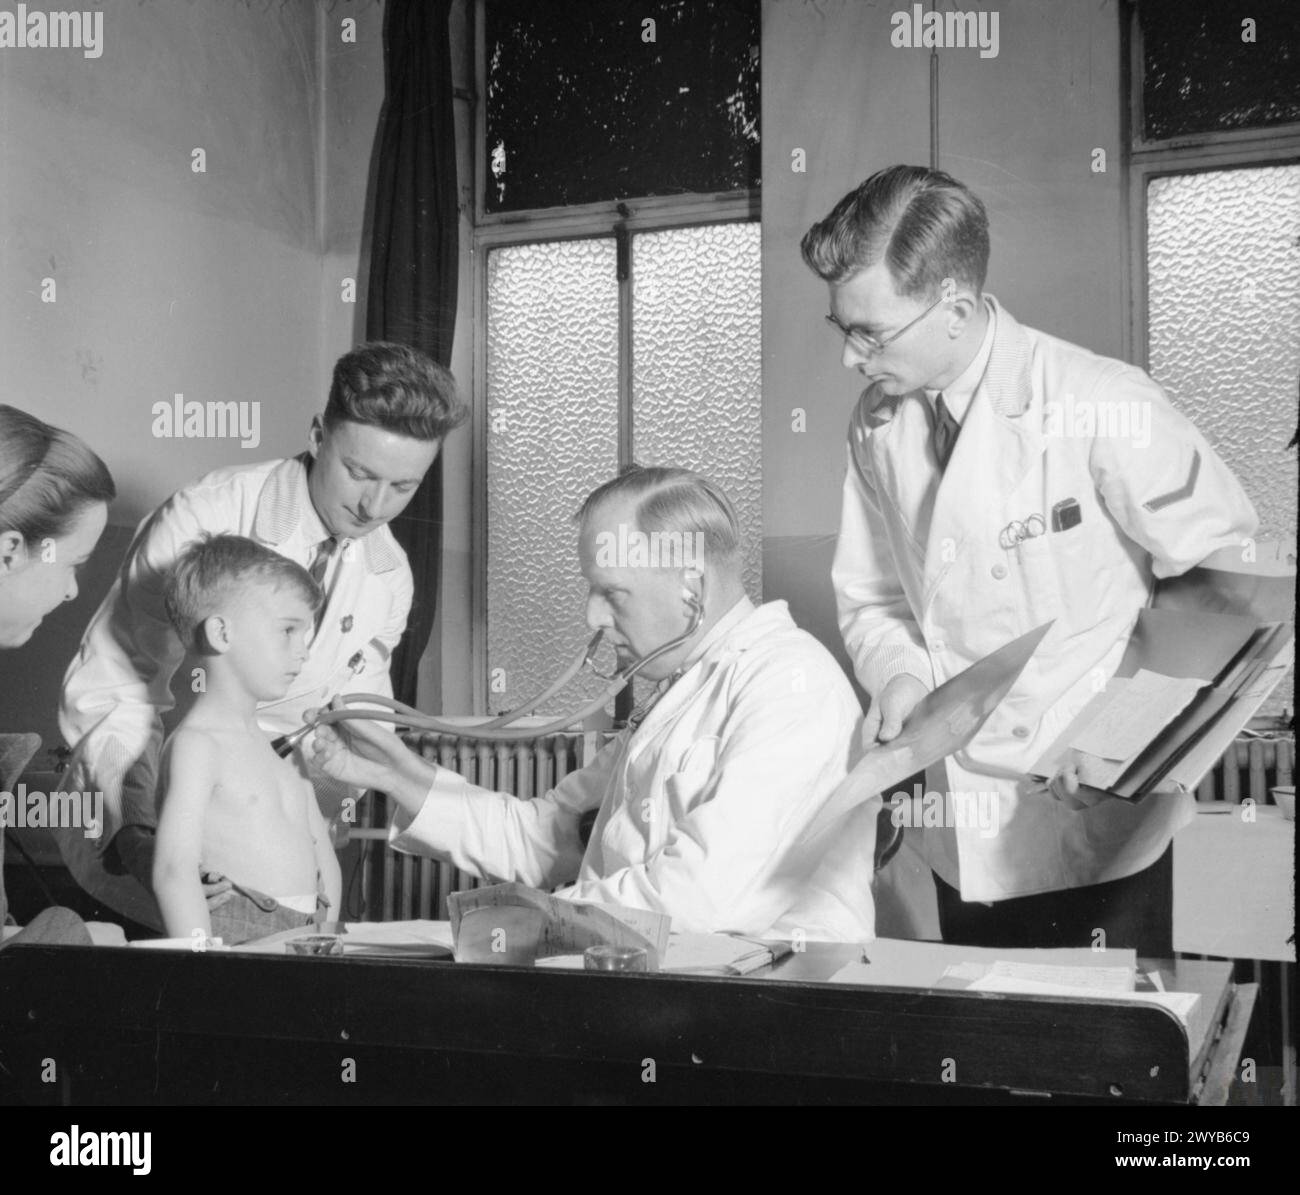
(54, 496)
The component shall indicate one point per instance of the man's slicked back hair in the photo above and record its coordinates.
(674, 500)
(923, 224)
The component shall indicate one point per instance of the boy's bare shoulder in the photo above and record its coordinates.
(190, 743)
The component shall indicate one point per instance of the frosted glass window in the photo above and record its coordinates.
(1223, 299)
(696, 363)
(553, 418)
(552, 409)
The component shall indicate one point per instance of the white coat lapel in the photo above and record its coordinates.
(661, 717)
(996, 449)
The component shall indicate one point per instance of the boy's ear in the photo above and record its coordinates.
(214, 634)
(315, 435)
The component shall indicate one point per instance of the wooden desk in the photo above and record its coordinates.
(160, 1027)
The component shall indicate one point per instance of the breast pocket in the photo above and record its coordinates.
(1040, 593)
(1087, 557)
(662, 787)
(690, 783)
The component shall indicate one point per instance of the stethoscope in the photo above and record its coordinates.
(498, 729)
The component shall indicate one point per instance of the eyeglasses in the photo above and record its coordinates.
(869, 345)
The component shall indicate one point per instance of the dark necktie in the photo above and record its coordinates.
(319, 567)
(943, 435)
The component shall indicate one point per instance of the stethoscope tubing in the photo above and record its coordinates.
(498, 730)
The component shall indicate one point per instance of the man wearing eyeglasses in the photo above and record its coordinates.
(999, 478)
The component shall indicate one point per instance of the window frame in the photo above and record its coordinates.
(1147, 159)
(495, 230)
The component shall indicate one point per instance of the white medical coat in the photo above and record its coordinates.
(119, 685)
(924, 587)
(702, 808)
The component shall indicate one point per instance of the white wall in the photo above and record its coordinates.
(206, 284)
(225, 285)
(1018, 128)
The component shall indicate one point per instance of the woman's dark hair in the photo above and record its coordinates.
(47, 477)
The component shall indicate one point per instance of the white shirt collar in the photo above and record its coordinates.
(284, 509)
(957, 397)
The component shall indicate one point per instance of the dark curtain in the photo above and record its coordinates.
(414, 262)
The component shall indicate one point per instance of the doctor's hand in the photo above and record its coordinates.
(887, 714)
(367, 755)
(1066, 787)
(359, 753)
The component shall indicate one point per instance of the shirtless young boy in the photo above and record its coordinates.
(227, 800)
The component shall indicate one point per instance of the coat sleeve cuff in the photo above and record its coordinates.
(885, 663)
(440, 821)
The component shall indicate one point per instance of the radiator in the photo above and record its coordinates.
(398, 887)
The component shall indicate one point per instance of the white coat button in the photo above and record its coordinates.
(999, 571)
(937, 646)
(1021, 732)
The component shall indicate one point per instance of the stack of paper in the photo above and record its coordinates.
(1160, 723)
(1121, 723)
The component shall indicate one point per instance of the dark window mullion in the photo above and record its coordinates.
(623, 239)
(623, 703)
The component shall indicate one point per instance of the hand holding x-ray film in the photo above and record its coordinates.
(943, 722)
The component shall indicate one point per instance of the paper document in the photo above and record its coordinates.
(515, 924)
(1178, 1003)
(897, 963)
(1132, 711)
(1085, 981)
(1189, 771)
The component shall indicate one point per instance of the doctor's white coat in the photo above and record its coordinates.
(703, 809)
(924, 586)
